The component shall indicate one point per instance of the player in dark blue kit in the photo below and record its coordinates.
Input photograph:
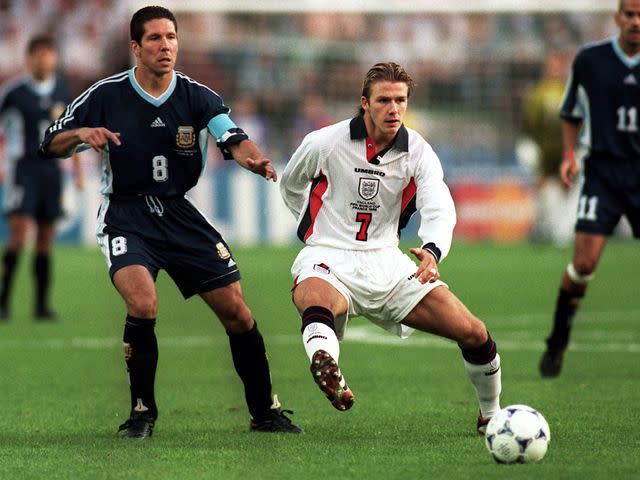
(151, 125)
(602, 97)
(32, 186)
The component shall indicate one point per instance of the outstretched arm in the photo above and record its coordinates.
(64, 143)
(248, 155)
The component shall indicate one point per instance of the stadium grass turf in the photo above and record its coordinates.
(63, 388)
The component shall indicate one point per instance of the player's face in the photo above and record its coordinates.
(158, 49)
(628, 20)
(385, 109)
(42, 62)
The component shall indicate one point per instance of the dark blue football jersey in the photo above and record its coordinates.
(26, 110)
(164, 139)
(603, 91)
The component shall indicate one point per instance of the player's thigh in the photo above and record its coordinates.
(19, 226)
(136, 286)
(322, 277)
(440, 312)
(45, 236)
(314, 291)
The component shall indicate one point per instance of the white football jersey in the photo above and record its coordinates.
(345, 195)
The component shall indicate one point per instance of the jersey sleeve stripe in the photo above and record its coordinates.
(68, 113)
(408, 205)
(318, 188)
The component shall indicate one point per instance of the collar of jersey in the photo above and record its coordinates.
(631, 62)
(45, 88)
(358, 131)
(156, 101)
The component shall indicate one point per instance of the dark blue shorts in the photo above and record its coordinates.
(169, 234)
(611, 189)
(35, 190)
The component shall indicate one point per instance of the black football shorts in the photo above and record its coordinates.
(34, 189)
(611, 188)
(169, 234)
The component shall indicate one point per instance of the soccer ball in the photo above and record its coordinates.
(517, 434)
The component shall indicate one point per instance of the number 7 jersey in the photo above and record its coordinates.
(345, 195)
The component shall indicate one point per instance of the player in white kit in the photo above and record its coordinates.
(353, 186)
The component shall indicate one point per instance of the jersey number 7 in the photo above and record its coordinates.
(365, 220)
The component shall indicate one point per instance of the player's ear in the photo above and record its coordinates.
(364, 103)
(135, 47)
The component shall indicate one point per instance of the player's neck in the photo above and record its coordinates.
(630, 50)
(152, 83)
(380, 140)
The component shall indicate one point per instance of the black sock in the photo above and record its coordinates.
(9, 262)
(250, 360)
(566, 307)
(481, 355)
(141, 355)
(317, 315)
(42, 274)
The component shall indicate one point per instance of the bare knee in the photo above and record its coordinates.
(474, 336)
(314, 292)
(236, 316)
(230, 307)
(143, 306)
(584, 266)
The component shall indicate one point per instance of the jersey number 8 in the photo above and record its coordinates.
(160, 168)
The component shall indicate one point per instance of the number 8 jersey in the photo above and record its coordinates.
(164, 139)
(346, 195)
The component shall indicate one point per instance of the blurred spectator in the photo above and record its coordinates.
(556, 207)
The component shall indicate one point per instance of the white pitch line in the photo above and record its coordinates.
(367, 334)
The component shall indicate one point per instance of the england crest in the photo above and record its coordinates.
(368, 188)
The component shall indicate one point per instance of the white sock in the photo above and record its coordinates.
(318, 336)
(488, 385)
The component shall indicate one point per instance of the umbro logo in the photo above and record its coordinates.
(157, 123)
(630, 80)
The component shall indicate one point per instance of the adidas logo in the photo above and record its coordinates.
(630, 80)
(231, 263)
(157, 123)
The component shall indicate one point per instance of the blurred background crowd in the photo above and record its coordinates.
(287, 74)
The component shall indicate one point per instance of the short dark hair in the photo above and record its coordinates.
(41, 41)
(385, 72)
(145, 14)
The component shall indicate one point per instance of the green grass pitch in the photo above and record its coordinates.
(63, 389)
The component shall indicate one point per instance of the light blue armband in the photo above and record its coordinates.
(219, 125)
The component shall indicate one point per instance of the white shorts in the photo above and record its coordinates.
(377, 284)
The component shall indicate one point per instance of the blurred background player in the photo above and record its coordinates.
(32, 186)
(555, 204)
(603, 97)
(352, 187)
(159, 121)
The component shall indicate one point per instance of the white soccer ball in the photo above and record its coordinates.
(517, 434)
